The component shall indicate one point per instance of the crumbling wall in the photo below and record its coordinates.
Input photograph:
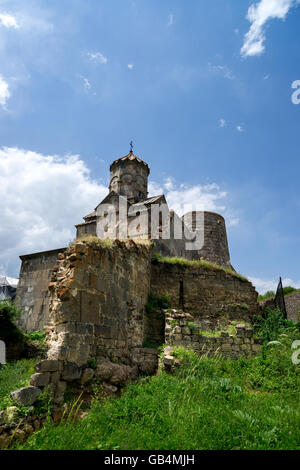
(98, 295)
(206, 292)
(182, 330)
(32, 292)
(292, 304)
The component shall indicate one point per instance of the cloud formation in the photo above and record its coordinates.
(97, 58)
(4, 92)
(8, 21)
(42, 197)
(183, 198)
(258, 15)
(224, 70)
(170, 20)
(265, 285)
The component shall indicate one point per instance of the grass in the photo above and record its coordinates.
(109, 243)
(94, 241)
(209, 403)
(14, 375)
(197, 263)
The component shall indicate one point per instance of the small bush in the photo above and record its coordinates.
(36, 336)
(272, 324)
(9, 311)
(14, 375)
(157, 302)
(268, 295)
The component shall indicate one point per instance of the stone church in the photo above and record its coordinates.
(126, 212)
(151, 218)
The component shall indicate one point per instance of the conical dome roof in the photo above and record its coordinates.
(129, 157)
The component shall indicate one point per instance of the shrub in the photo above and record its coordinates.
(36, 336)
(272, 324)
(268, 295)
(9, 311)
(289, 290)
(157, 302)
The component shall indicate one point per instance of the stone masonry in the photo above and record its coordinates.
(207, 292)
(99, 290)
(33, 294)
(182, 329)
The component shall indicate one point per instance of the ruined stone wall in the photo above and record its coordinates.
(292, 304)
(98, 298)
(205, 292)
(86, 229)
(32, 292)
(182, 330)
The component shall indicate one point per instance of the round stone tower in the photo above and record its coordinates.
(215, 248)
(129, 177)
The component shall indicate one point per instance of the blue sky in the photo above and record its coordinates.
(202, 87)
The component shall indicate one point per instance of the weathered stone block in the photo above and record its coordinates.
(26, 396)
(86, 376)
(40, 379)
(71, 372)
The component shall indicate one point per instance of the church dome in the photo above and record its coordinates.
(129, 158)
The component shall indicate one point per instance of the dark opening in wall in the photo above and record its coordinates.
(181, 295)
(154, 326)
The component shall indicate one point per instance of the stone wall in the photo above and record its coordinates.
(32, 292)
(98, 298)
(206, 292)
(292, 304)
(215, 248)
(183, 330)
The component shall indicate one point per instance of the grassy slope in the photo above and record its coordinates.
(13, 376)
(208, 404)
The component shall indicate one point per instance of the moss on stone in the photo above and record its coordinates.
(198, 263)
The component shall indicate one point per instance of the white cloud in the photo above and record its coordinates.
(224, 70)
(4, 92)
(184, 198)
(240, 128)
(265, 285)
(8, 21)
(130, 66)
(222, 123)
(86, 84)
(42, 197)
(97, 57)
(170, 20)
(258, 15)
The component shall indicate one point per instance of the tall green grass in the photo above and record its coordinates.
(207, 404)
(14, 375)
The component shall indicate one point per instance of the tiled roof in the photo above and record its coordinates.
(130, 157)
(149, 201)
(90, 216)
